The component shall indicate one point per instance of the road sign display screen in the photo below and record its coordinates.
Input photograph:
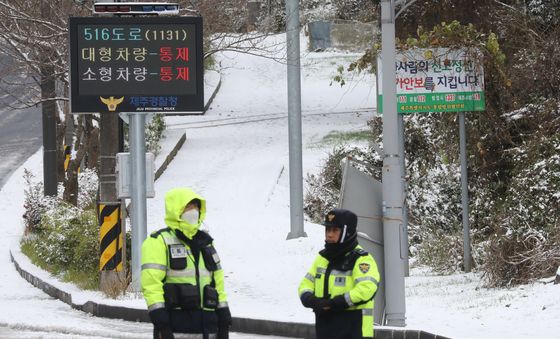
(136, 64)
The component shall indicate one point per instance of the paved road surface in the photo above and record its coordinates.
(20, 130)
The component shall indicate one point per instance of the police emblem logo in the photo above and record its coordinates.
(331, 217)
(364, 267)
(111, 102)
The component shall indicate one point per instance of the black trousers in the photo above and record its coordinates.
(339, 325)
(198, 321)
(195, 322)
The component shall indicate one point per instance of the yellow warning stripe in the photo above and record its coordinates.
(66, 157)
(109, 253)
(110, 237)
(109, 221)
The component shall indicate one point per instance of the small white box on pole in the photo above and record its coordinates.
(124, 175)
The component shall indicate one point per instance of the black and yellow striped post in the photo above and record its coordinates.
(110, 237)
(67, 152)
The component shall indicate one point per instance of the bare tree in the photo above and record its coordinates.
(34, 40)
(226, 28)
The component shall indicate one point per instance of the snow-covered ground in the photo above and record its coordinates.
(236, 156)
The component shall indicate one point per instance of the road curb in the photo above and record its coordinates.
(214, 91)
(170, 156)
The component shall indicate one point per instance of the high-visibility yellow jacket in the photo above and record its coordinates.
(357, 279)
(160, 247)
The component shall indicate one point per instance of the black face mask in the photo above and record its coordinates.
(333, 251)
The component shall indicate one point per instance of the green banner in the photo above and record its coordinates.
(437, 102)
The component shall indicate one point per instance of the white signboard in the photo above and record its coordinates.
(437, 80)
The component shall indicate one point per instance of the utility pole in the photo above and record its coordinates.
(108, 148)
(109, 206)
(393, 220)
(48, 107)
(294, 120)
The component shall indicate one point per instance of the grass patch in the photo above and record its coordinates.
(83, 279)
(65, 243)
(28, 249)
(335, 138)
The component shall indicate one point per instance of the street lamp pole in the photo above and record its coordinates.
(393, 221)
(294, 120)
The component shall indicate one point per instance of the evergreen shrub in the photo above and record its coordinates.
(61, 238)
(67, 243)
(526, 242)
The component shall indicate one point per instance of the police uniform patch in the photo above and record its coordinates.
(178, 251)
(364, 267)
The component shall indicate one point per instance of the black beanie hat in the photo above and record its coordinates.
(346, 220)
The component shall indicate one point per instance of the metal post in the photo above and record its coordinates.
(404, 190)
(393, 228)
(48, 92)
(49, 139)
(124, 212)
(294, 120)
(464, 194)
(138, 192)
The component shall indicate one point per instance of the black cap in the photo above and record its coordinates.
(339, 218)
(346, 220)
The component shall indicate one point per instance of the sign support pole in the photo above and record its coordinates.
(464, 194)
(138, 192)
(393, 227)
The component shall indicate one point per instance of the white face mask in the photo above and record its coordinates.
(191, 216)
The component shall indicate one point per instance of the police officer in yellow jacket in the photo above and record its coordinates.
(182, 280)
(341, 284)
